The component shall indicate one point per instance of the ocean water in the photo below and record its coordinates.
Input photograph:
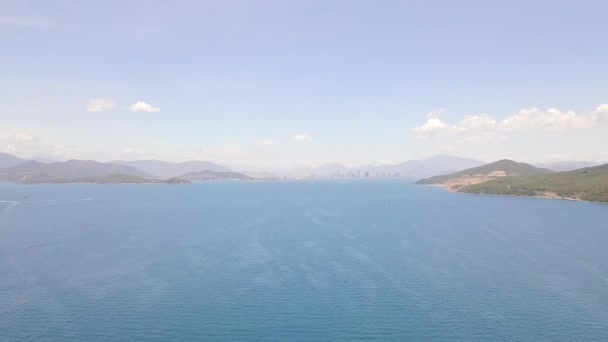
(298, 261)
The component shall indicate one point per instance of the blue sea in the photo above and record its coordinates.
(298, 261)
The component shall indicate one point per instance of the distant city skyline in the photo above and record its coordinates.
(302, 83)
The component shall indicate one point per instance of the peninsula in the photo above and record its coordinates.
(509, 178)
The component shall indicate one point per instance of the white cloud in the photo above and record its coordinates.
(601, 114)
(141, 106)
(98, 105)
(431, 126)
(265, 142)
(434, 125)
(470, 123)
(525, 119)
(302, 137)
(522, 130)
(551, 119)
(474, 123)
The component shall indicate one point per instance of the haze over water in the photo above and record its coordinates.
(301, 260)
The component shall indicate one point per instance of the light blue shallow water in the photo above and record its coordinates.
(310, 260)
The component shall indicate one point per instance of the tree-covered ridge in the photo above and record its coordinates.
(36, 172)
(589, 184)
(505, 166)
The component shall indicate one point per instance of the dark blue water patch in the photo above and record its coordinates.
(307, 260)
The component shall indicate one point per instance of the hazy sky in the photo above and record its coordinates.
(304, 82)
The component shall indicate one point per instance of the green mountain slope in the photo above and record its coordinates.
(504, 167)
(111, 179)
(589, 184)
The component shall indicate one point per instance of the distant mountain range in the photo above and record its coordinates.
(214, 175)
(411, 169)
(436, 165)
(565, 165)
(88, 171)
(440, 169)
(9, 160)
(166, 169)
(36, 172)
(39, 171)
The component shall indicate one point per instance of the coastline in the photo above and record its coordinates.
(559, 198)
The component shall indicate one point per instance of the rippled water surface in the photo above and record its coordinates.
(309, 260)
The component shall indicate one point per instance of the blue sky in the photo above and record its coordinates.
(304, 82)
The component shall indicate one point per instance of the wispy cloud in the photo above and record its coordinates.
(98, 105)
(130, 152)
(13, 135)
(19, 22)
(266, 142)
(302, 137)
(13, 140)
(141, 106)
(24, 144)
(482, 138)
